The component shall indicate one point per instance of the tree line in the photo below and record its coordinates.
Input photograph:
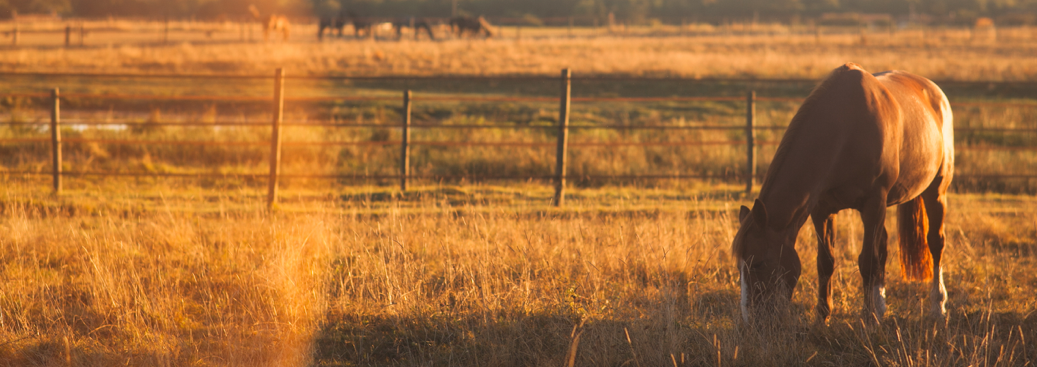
(628, 11)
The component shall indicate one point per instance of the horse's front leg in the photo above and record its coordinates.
(824, 219)
(872, 260)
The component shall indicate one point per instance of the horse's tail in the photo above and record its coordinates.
(913, 226)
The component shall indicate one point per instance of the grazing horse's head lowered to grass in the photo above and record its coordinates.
(863, 142)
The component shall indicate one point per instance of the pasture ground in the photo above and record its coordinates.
(459, 276)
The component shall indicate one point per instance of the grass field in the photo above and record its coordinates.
(699, 51)
(642, 276)
(169, 272)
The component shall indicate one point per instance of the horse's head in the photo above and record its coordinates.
(768, 264)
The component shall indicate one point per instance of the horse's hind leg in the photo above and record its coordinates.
(824, 219)
(935, 199)
(872, 260)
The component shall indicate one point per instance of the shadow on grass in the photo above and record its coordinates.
(682, 329)
(675, 325)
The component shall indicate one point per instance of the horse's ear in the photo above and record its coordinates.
(759, 213)
(744, 213)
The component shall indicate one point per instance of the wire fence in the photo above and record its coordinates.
(562, 127)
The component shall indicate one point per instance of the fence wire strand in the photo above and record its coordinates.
(432, 125)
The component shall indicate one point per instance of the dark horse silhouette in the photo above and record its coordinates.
(475, 26)
(418, 24)
(336, 23)
(361, 25)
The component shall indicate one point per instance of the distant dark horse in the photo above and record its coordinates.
(418, 24)
(475, 26)
(864, 142)
(361, 25)
(337, 23)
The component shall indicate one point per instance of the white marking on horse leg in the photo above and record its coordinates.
(878, 299)
(744, 304)
(938, 295)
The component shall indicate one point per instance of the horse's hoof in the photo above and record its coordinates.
(940, 318)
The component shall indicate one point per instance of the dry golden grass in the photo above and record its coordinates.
(772, 52)
(641, 282)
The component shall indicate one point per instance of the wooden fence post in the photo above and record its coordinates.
(68, 35)
(563, 138)
(750, 137)
(405, 149)
(14, 35)
(165, 38)
(275, 138)
(55, 138)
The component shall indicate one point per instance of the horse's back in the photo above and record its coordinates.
(897, 130)
(857, 133)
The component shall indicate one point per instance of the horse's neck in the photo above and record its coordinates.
(789, 199)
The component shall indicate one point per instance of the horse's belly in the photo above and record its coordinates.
(909, 188)
(916, 173)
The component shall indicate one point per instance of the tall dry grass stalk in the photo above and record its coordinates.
(471, 285)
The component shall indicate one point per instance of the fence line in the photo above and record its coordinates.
(563, 137)
(461, 98)
(465, 126)
(459, 143)
(55, 138)
(405, 136)
(474, 177)
(275, 138)
(487, 78)
(750, 137)
(562, 143)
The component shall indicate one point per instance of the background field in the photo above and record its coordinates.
(157, 271)
(735, 50)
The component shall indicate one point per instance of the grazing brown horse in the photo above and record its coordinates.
(273, 23)
(332, 24)
(417, 24)
(475, 26)
(361, 25)
(864, 142)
